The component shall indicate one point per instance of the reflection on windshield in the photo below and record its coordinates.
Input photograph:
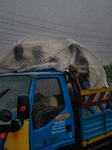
(4, 92)
(10, 88)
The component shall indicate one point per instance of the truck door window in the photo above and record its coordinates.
(48, 98)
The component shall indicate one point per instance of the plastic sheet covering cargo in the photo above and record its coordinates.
(38, 52)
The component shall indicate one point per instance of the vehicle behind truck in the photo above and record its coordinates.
(53, 95)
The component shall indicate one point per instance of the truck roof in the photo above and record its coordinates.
(32, 73)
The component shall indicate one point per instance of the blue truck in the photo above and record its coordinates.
(53, 96)
(66, 121)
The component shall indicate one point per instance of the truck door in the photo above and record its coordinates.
(51, 122)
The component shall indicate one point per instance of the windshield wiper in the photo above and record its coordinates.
(4, 92)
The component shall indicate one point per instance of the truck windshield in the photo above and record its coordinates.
(10, 88)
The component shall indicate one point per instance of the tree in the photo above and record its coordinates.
(108, 70)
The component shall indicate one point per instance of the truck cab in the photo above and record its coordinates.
(35, 111)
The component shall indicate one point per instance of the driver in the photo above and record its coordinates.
(41, 104)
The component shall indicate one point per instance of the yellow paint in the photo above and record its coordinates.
(84, 144)
(63, 116)
(18, 140)
(93, 91)
(96, 139)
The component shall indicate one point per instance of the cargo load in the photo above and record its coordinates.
(39, 52)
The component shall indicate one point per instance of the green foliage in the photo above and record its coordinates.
(108, 70)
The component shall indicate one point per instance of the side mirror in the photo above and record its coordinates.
(23, 107)
(5, 115)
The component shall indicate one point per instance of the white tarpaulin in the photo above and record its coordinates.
(38, 52)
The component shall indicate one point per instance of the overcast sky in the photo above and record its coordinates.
(87, 21)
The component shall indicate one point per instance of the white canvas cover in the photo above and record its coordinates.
(38, 52)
